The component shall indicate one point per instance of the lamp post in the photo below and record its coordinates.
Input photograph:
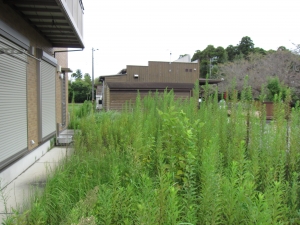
(93, 73)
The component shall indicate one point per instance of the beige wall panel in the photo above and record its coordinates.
(58, 102)
(62, 57)
(62, 60)
(106, 97)
(32, 108)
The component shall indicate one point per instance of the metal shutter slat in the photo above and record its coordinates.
(48, 99)
(13, 104)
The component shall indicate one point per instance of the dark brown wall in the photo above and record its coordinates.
(142, 71)
(159, 72)
(119, 98)
(120, 78)
(176, 72)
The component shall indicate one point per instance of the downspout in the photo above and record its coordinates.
(39, 100)
(67, 51)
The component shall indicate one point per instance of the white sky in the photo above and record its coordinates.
(133, 32)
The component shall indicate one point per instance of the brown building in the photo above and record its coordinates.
(34, 37)
(180, 75)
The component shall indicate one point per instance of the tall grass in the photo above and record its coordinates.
(164, 161)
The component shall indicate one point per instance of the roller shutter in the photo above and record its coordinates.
(13, 105)
(48, 99)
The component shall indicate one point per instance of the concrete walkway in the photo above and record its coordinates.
(17, 193)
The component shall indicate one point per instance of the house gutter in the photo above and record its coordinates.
(68, 51)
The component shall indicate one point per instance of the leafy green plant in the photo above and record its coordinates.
(275, 87)
(166, 161)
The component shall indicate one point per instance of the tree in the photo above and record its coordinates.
(87, 78)
(243, 49)
(77, 74)
(210, 56)
(181, 56)
(97, 81)
(260, 51)
(232, 51)
(259, 68)
(281, 48)
(80, 90)
(246, 46)
(197, 55)
(296, 49)
(275, 87)
(220, 55)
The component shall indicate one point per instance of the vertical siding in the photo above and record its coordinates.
(164, 72)
(61, 90)
(176, 72)
(142, 71)
(118, 99)
(120, 78)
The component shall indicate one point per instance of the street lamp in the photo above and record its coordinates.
(93, 73)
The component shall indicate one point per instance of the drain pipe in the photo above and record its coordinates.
(39, 97)
(68, 51)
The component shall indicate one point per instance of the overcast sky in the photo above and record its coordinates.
(133, 32)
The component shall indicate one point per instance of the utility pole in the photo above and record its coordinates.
(210, 61)
(93, 73)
